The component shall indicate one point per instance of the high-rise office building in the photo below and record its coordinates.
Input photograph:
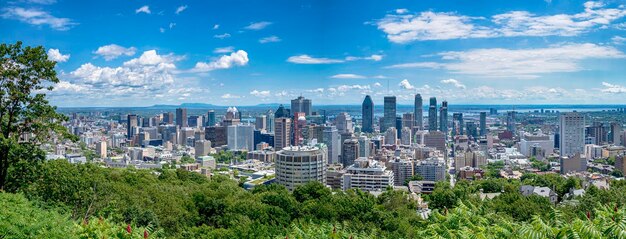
(270, 121)
(301, 104)
(282, 133)
(232, 117)
(217, 135)
(443, 118)
(407, 120)
(299, 123)
(333, 142)
(418, 112)
(349, 152)
(298, 165)
(616, 133)
(240, 137)
(260, 122)
(211, 120)
(572, 133)
(389, 113)
(391, 136)
(195, 121)
(510, 121)
(432, 114)
(281, 112)
(131, 124)
(168, 118)
(343, 121)
(457, 124)
(181, 117)
(483, 123)
(367, 109)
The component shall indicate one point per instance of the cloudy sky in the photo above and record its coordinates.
(139, 53)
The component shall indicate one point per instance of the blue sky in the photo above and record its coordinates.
(139, 53)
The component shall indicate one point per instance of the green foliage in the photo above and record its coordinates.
(186, 159)
(415, 177)
(19, 218)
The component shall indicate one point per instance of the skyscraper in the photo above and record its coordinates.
(443, 118)
(333, 142)
(432, 114)
(168, 118)
(211, 121)
(301, 104)
(457, 124)
(483, 123)
(510, 121)
(270, 121)
(572, 133)
(418, 112)
(282, 134)
(349, 152)
(389, 113)
(181, 117)
(281, 112)
(131, 124)
(343, 121)
(260, 122)
(368, 115)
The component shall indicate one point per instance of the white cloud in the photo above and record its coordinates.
(112, 51)
(269, 39)
(222, 36)
(162, 30)
(55, 55)
(37, 17)
(181, 9)
(238, 58)
(405, 84)
(401, 11)
(281, 94)
(230, 96)
(344, 88)
(372, 58)
(377, 84)
(454, 82)
(404, 27)
(612, 88)
(618, 40)
(144, 9)
(347, 76)
(306, 59)
(222, 50)
(216, 26)
(172, 25)
(261, 94)
(43, 2)
(522, 63)
(258, 25)
(317, 90)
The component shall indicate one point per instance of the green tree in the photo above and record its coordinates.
(26, 117)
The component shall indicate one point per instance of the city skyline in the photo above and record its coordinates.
(118, 53)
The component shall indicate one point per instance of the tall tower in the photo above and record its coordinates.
(483, 123)
(418, 112)
(443, 117)
(432, 114)
(211, 118)
(282, 135)
(389, 113)
(572, 133)
(131, 121)
(301, 104)
(181, 117)
(368, 115)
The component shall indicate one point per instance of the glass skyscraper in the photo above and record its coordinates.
(389, 113)
(432, 114)
(368, 115)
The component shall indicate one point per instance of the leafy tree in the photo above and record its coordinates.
(26, 117)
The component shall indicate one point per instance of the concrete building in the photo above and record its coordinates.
(282, 133)
(217, 135)
(365, 146)
(435, 139)
(333, 142)
(349, 151)
(389, 119)
(240, 137)
(432, 169)
(571, 133)
(260, 122)
(537, 139)
(297, 165)
(406, 136)
(202, 148)
(181, 117)
(391, 136)
(367, 175)
(101, 149)
(474, 159)
(573, 163)
(432, 114)
(402, 170)
(343, 121)
(132, 124)
(301, 104)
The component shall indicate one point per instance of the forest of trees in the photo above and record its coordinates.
(56, 198)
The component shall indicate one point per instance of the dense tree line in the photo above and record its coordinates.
(175, 203)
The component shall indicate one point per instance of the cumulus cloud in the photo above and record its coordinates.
(37, 17)
(230, 96)
(238, 58)
(222, 50)
(612, 88)
(261, 94)
(404, 27)
(269, 39)
(222, 36)
(347, 76)
(145, 9)
(405, 84)
(216, 26)
(112, 51)
(55, 55)
(618, 40)
(454, 82)
(371, 58)
(258, 25)
(181, 9)
(522, 63)
(306, 59)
